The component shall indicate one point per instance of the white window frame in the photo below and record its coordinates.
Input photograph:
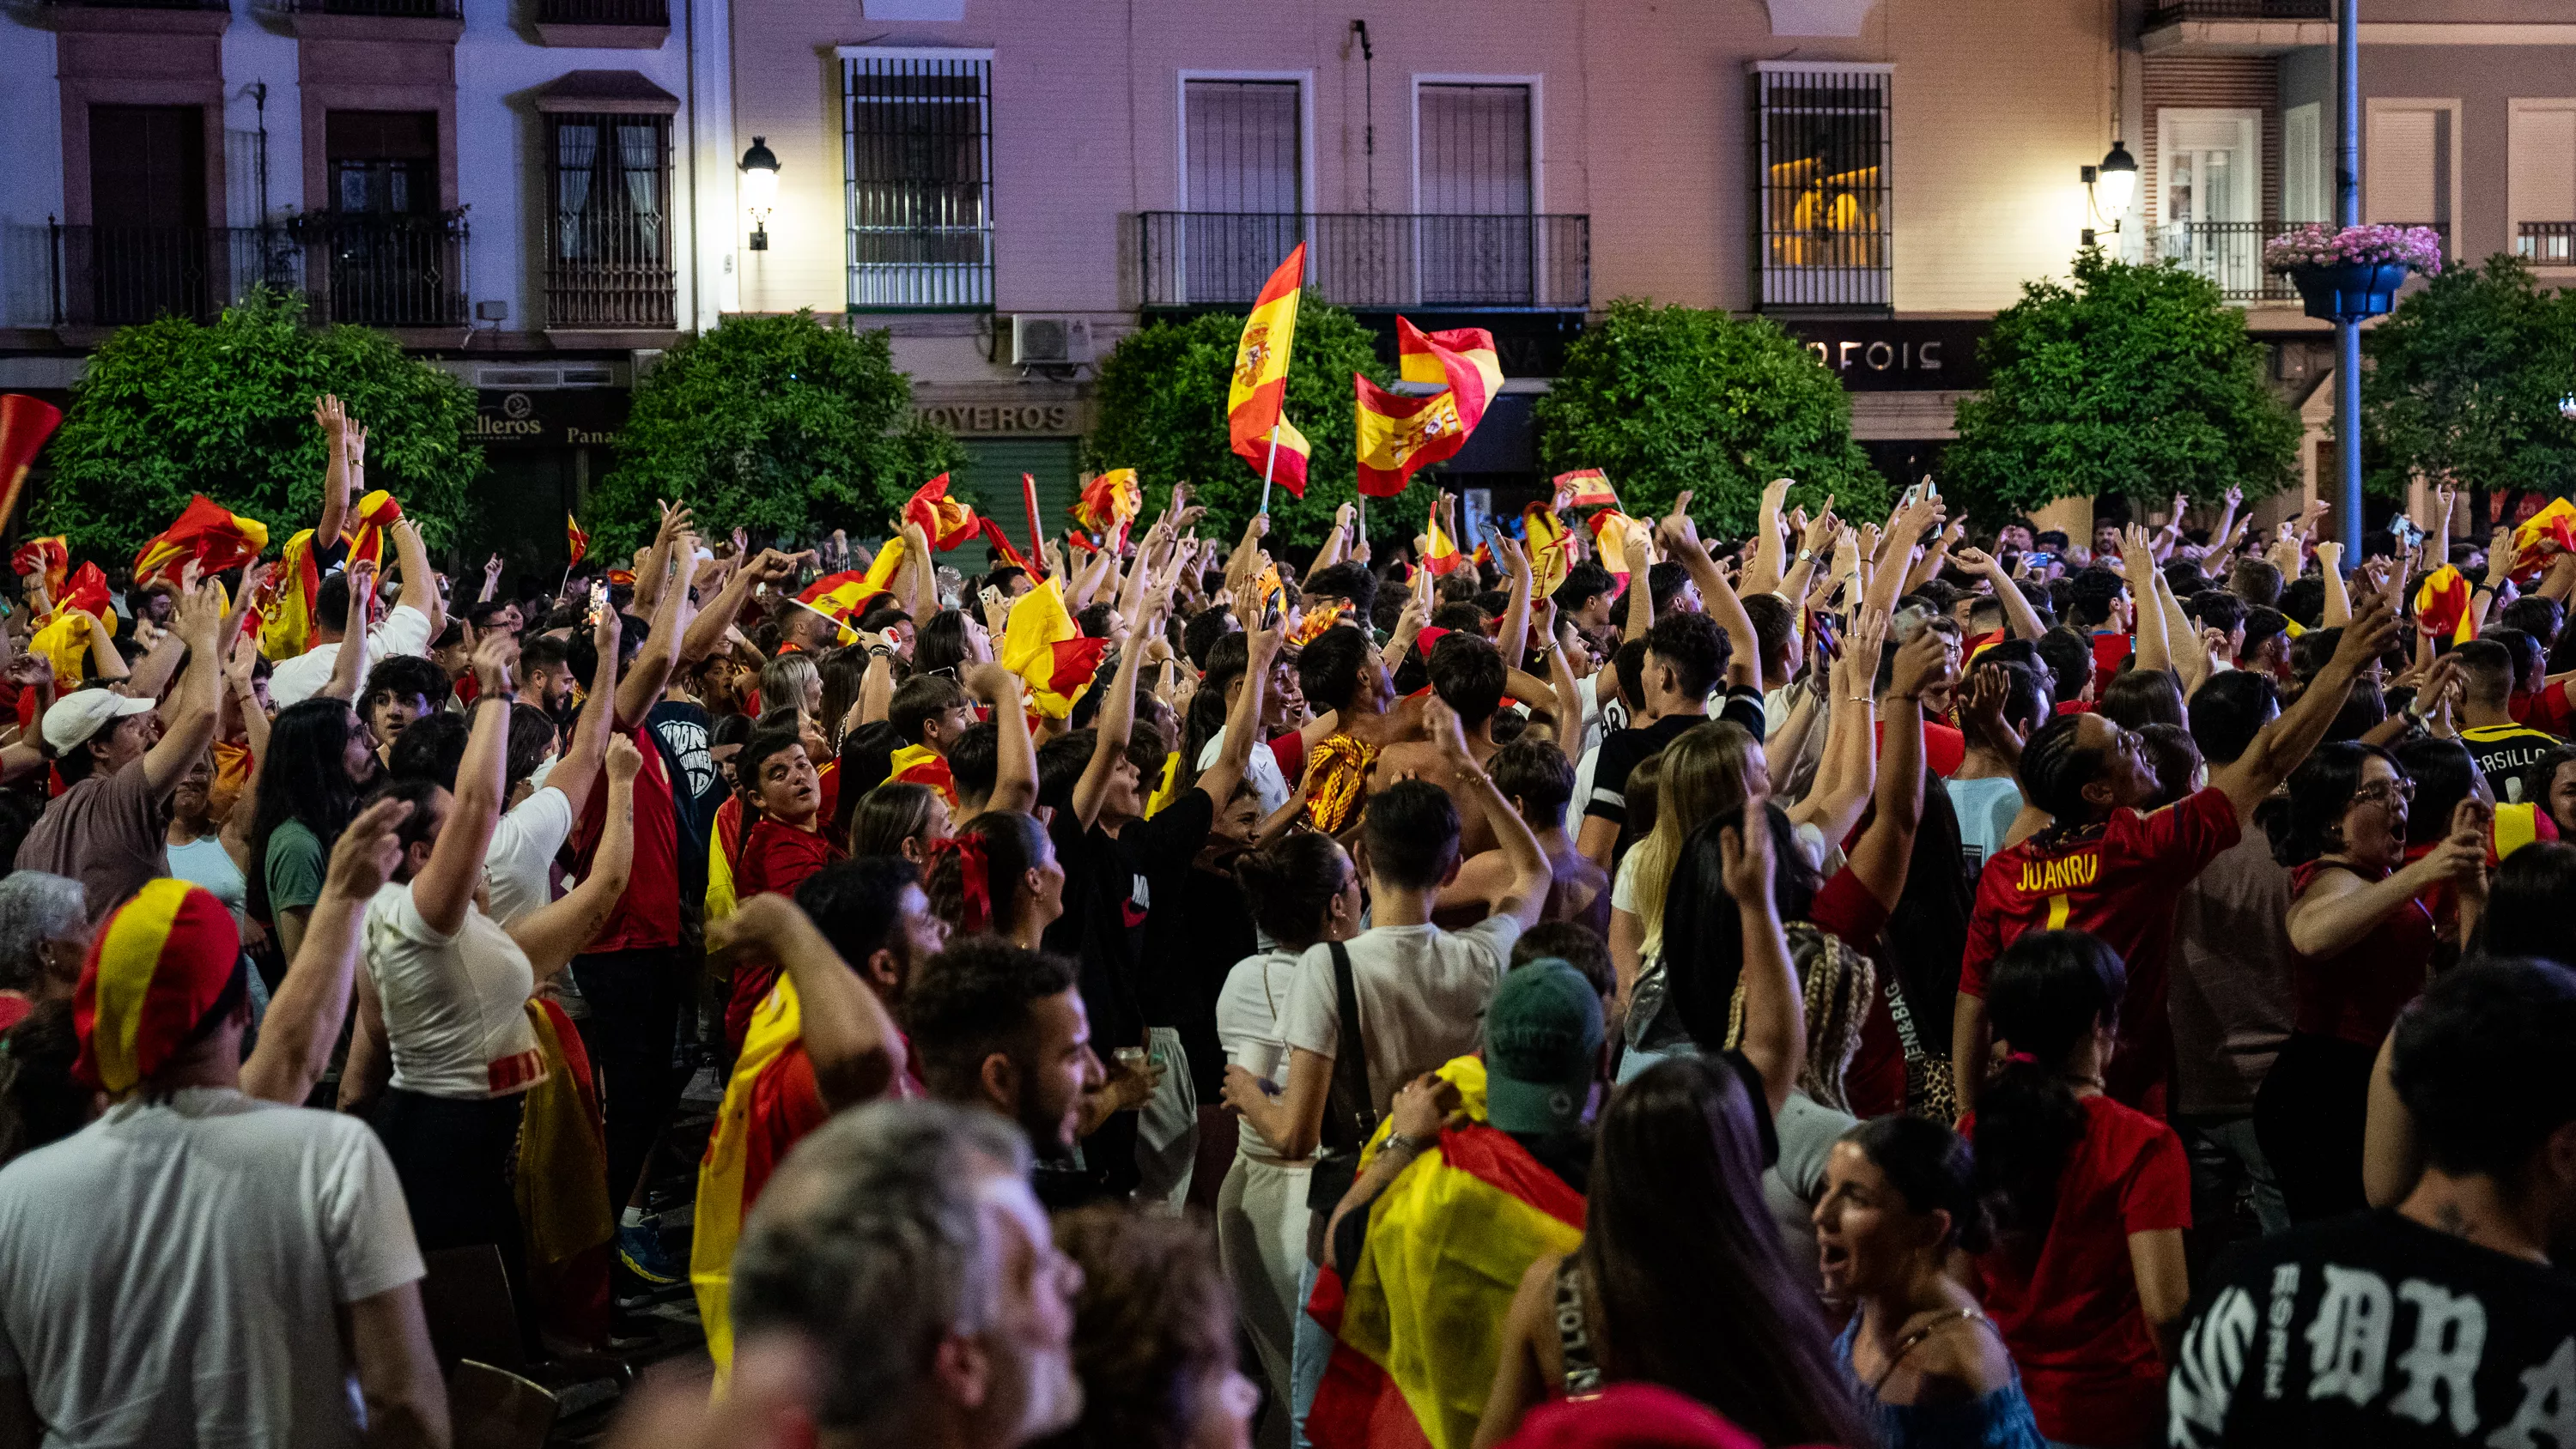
(2373, 107)
(1305, 80)
(2514, 218)
(1537, 85)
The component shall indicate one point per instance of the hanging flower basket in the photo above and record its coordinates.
(2354, 273)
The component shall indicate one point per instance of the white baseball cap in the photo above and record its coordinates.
(78, 715)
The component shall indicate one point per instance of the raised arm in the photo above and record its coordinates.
(1336, 544)
(1513, 633)
(1880, 856)
(853, 1043)
(1118, 711)
(2330, 572)
(1015, 755)
(420, 581)
(642, 687)
(1770, 553)
(349, 664)
(2155, 646)
(1526, 896)
(2023, 619)
(188, 715)
(2282, 744)
(444, 890)
(1681, 539)
(303, 1020)
(554, 933)
(1242, 721)
(1641, 596)
(338, 433)
(1775, 1029)
(577, 773)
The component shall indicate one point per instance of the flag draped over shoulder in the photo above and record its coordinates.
(1259, 389)
(576, 544)
(377, 511)
(728, 1179)
(1397, 435)
(1042, 646)
(947, 521)
(2442, 606)
(1588, 487)
(207, 534)
(1417, 1318)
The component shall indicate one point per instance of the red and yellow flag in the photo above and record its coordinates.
(1417, 1319)
(1397, 435)
(1443, 559)
(205, 533)
(1042, 646)
(1002, 545)
(948, 521)
(576, 543)
(1260, 386)
(155, 968)
(1588, 488)
(1611, 531)
(1108, 503)
(844, 596)
(2555, 523)
(1312, 625)
(1461, 359)
(49, 557)
(2442, 606)
(376, 512)
(727, 1180)
(922, 765)
(1288, 470)
(286, 598)
(25, 424)
(1549, 546)
(63, 638)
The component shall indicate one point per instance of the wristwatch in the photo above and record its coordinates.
(1412, 1146)
(1806, 555)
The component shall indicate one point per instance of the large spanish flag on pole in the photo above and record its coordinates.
(1260, 386)
(1397, 435)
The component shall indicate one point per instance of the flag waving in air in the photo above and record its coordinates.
(1442, 557)
(286, 599)
(376, 512)
(948, 521)
(1397, 435)
(1550, 548)
(1461, 359)
(2442, 606)
(25, 423)
(1041, 645)
(1260, 386)
(2556, 524)
(1611, 531)
(842, 597)
(1586, 488)
(45, 558)
(576, 544)
(207, 534)
(1108, 502)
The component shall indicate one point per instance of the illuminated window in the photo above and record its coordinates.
(1821, 195)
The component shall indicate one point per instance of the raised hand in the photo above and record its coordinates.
(1676, 529)
(364, 856)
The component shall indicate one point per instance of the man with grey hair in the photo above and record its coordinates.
(900, 1247)
(44, 929)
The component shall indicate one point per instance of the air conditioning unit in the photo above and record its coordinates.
(1041, 341)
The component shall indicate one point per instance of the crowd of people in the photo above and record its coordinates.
(1899, 981)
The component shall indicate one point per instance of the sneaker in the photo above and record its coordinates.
(639, 1247)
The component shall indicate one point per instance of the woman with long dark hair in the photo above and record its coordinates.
(2527, 905)
(998, 873)
(320, 761)
(1681, 1279)
(1924, 1360)
(2363, 942)
(2086, 1277)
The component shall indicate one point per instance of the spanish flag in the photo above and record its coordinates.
(1266, 586)
(1461, 359)
(1312, 626)
(25, 424)
(576, 543)
(62, 638)
(947, 521)
(1108, 503)
(376, 512)
(1611, 531)
(1289, 469)
(2442, 606)
(562, 1183)
(843, 595)
(286, 600)
(1549, 546)
(922, 765)
(1590, 488)
(737, 1165)
(205, 533)
(1397, 435)
(1002, 545)
(155, 968)
(1417, 1318)
(1041, 645)
(1260, 385)
(46, 558)
(1443, 559)
(2556, 523)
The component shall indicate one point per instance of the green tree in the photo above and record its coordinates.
(175, 407)
(2463, 383)
(1162, 412)
(1671, 398)
(2137, 381)
(778, 425)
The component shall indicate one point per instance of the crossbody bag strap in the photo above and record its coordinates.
(1574, 1331)
(1903, 1016)
(1350, 1090)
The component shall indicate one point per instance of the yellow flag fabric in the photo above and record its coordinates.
(1041, 645)
(563, 1157)
(1168, 788)
(64, 644)
(1260, 383)
(1551, 550)
(775, 1026)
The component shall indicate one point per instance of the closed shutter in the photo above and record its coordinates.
(991, 481)
(2303, 164)
(2404, 167)
(2543, 185)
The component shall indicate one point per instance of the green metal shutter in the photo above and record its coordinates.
(991, 481)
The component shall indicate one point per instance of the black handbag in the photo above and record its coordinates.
(1349, 1120)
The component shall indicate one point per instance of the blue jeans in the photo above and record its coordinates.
(1310, 1348)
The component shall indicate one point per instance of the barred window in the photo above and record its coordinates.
(1821, 195)
(608, 249)
(918, 156)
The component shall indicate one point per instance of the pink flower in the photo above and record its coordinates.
(2418, 248)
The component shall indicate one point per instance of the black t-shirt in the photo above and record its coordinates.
(2374, 1330)
(1625, 750)
(696, 789)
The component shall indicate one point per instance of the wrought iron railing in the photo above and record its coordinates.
(398, 9)
(1370, 260)
(2230, 254)
(387, 271)
(603, 12)
(2546, 243)
(139, 4)
(2161, 13)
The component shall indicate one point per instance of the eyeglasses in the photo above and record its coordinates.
(2383, 790)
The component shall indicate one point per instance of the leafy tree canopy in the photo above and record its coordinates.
(175, 407)
(780, 425)
(2137, 380)
(1671, 398)
(2463, 383)
(1162, 412)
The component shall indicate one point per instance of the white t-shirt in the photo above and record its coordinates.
(1247, 1025)
(171, 1273)
(1422, 991)
(518, 866)
(404, 630)
(1584, 769)
(1986, 810)
(1262, 770)
(456, 1019)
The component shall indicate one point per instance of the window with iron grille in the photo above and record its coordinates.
(918, 156)
(1821, 195)
(608, 244)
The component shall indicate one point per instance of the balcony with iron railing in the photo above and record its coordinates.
(615, 24)
(2230, 254)
(2235, 27)
(2546, 243)
(370, 19)
(375, 271)
(1370, 261)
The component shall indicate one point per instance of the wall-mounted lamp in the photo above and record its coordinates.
(2110, 186)
(759, 189)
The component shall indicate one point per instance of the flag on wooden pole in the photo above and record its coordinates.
(1259, 390)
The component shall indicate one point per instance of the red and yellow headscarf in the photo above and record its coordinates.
(154, 970)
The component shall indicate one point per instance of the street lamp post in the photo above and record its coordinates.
(2347, 509)
(759, 189)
